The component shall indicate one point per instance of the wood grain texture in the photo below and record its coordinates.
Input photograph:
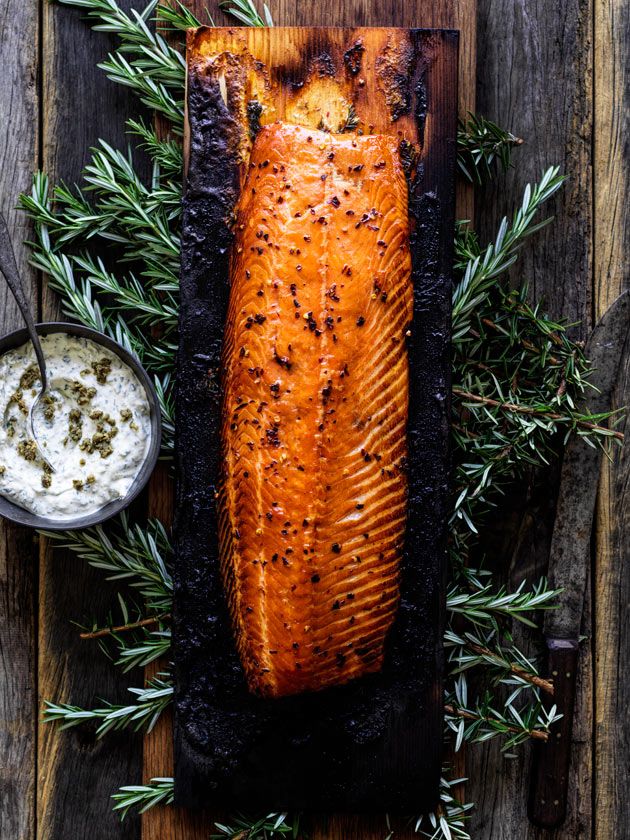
(612, 650)
(77, 773)
(535, 77)
(18, 687)
(611, 151)
(611, 642)
(19, 124)
(441, 14)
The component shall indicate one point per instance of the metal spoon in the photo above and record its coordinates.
(9, 269)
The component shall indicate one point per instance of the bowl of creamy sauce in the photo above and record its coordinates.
(98, 426)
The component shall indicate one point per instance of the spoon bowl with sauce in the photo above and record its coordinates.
(96, 432)
(9, 270)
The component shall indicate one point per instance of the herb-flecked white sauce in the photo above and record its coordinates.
(93, 425)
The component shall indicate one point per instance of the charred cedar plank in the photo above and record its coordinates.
(368, 745)
(18, 553)
(76, 771)
(176, 823)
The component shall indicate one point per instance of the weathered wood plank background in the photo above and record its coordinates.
(556, 74)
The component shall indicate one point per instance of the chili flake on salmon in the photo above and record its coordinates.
(312, 498)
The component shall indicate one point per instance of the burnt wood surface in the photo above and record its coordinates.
(375, 744)
(554, 74)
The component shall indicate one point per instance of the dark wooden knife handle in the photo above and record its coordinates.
(550, 771)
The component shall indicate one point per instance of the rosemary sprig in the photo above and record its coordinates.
(155, 70)
(176, 16)
(576, 420)
(482, 147)
(149, 49)
(504, 664)
(140, 649)
(153, 94)
(159, 791)
(516, 373)
(125, 211)
(79, 294)
(131, 643)
(166, 154)
(252, 828)
(484, 608)
(143, 714)
(127, 295)
(482, 721)
(78, 298)
(481, 270)
(448, 822)
(166, 400)
(245, 11)
(138, 556)
(114, 630)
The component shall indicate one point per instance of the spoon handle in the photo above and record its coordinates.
(8, 267)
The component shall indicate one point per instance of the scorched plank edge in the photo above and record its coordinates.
(376, 744)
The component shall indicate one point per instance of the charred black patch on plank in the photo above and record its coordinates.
(393, 67)
(353, 58)
(254, 113)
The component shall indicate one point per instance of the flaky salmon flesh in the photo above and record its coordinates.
(312, 498)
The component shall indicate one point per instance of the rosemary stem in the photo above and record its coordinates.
(538, 734)
(534, 679)
(123, 628)
(524, 342)
(526, 409)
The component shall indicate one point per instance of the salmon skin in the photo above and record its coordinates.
(312, 499)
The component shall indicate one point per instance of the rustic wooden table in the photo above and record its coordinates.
(556, 74)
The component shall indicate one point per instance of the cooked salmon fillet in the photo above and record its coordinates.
(313, 495)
